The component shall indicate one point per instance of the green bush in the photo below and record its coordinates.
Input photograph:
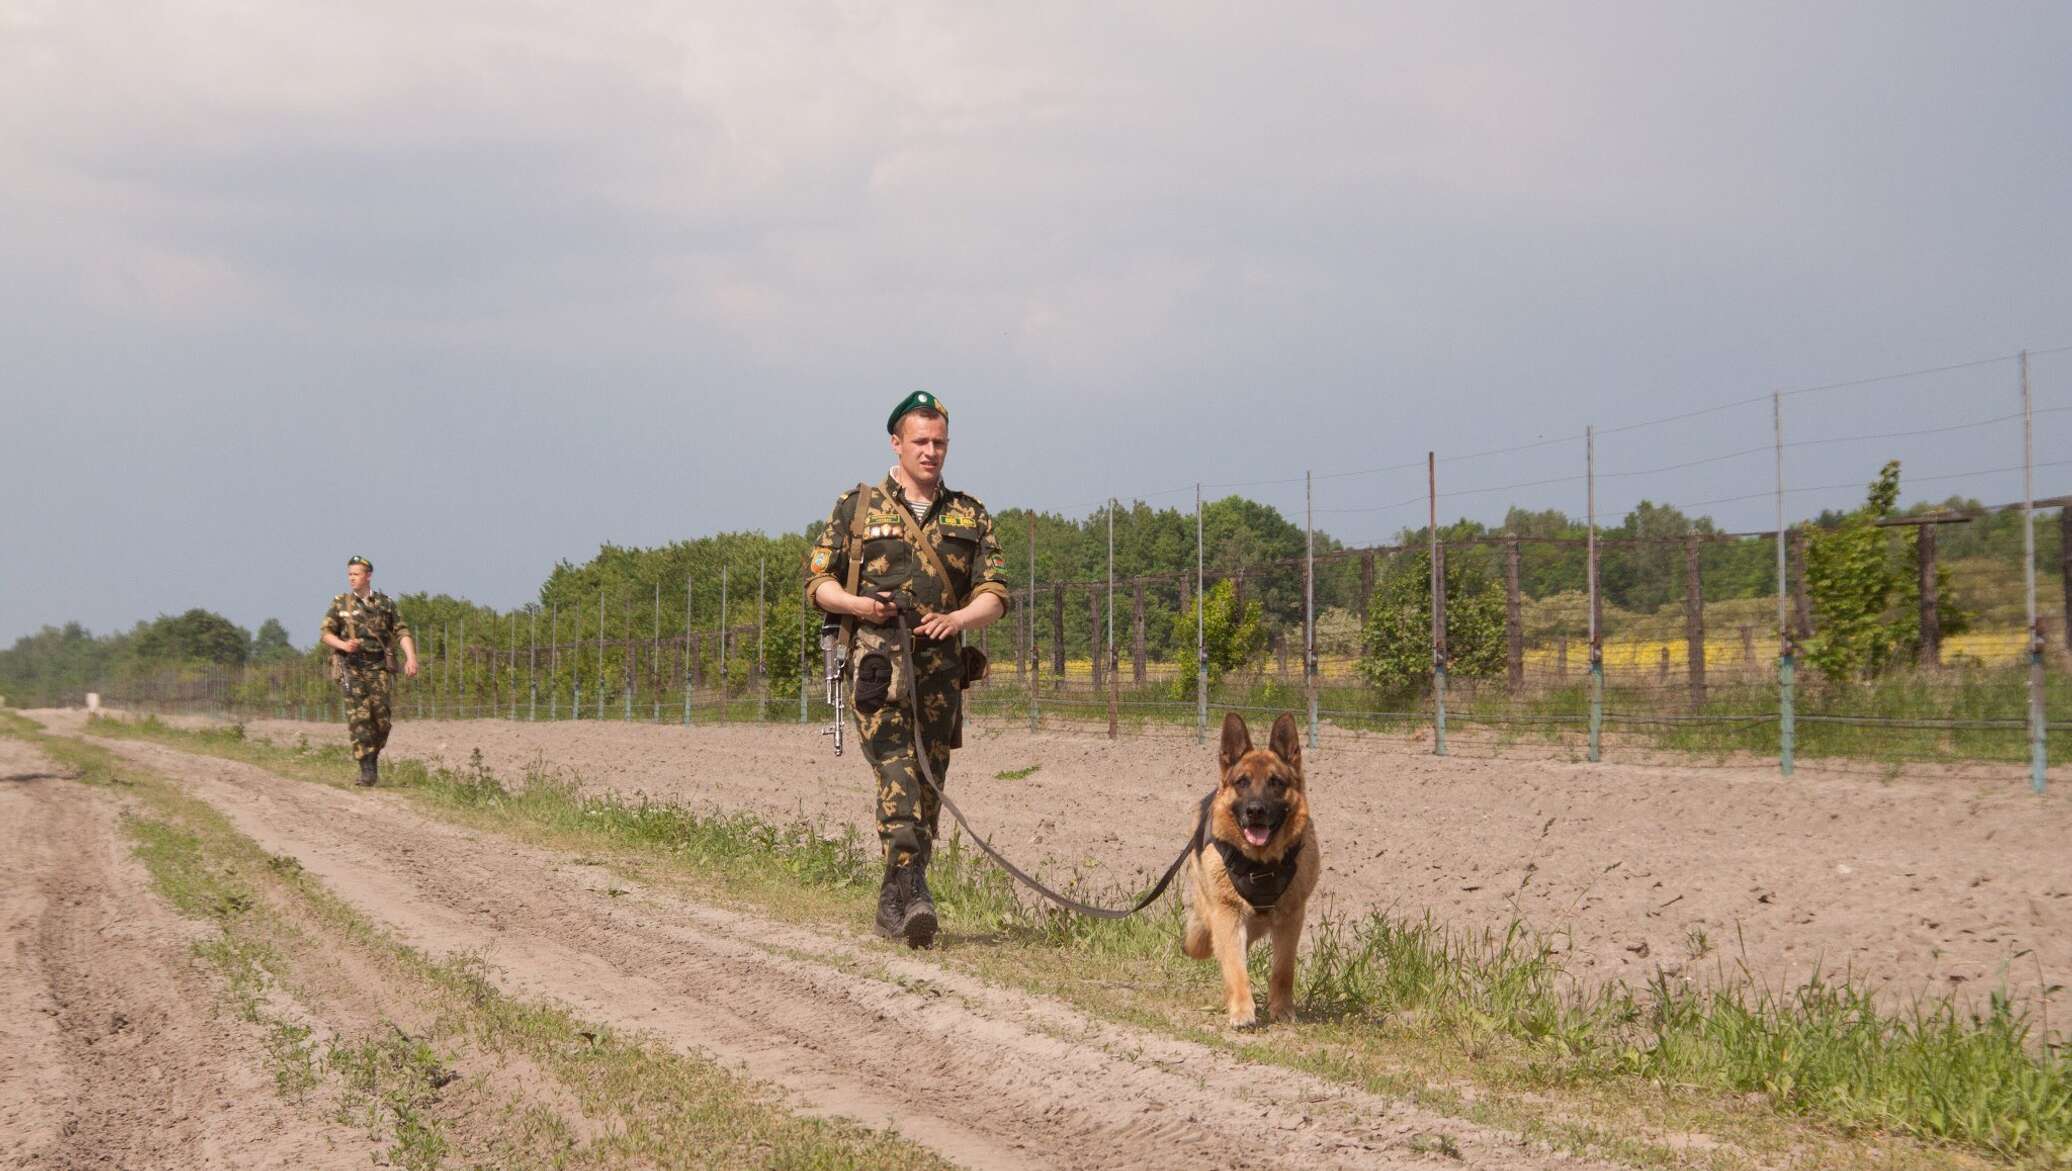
(1397, 655)
(1232, 638)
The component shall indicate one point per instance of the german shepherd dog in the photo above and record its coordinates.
(1254, 867)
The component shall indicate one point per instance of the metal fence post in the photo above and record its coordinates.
(1035, 662)
(655, 654)
(460, 701)
(1786, 716)
(762, 663)
(1114, 686)
(2038, 749)
(1309, 600)
(1201, 645)
(690, 650)
(725, 571)
(1438, 575)
(532, 669)
(1596, 636)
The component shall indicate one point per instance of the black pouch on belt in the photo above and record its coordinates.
(974, 666)
(873, 682)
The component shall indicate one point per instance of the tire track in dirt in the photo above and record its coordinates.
(986, 1075)
(112, 1050)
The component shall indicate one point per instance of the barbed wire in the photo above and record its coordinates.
(1619, 429)
(1770, 492)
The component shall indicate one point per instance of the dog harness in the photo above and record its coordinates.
(1260, 884)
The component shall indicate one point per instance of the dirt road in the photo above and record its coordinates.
(113, 1050)
(1913, 885)
(987, 1076)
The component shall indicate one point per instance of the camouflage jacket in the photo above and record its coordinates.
(373, 620)
(956, 526)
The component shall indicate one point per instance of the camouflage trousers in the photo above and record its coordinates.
(367, 692)
(907, 810)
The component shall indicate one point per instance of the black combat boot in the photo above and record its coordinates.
(917, 924)
(368, 773)
(892, 896)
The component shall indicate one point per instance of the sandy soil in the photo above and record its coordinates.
(842, 1024)
(113, 1052)
(1914, 885)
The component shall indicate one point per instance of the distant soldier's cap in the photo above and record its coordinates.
(920, 400)
(358, 560)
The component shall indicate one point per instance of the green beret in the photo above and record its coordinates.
(919, 400)
(356, 560)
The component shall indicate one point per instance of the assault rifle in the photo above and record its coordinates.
(834, 652)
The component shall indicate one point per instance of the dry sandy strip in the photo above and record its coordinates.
(987, 1076)
(112, 1050)
(1914, 885)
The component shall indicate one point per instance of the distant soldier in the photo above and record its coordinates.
(361, 628)
(909, 544)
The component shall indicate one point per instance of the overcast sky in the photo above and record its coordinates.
(474, 287)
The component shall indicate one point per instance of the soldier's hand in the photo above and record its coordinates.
(946, 625)
(874, 610)
(410, 667)
(352, 646)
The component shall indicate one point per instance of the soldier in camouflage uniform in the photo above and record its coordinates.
(360, 627)
(961, 588)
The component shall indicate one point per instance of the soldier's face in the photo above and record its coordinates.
(922, 445)
(357, 576)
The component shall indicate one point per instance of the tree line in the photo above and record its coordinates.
(638, 593)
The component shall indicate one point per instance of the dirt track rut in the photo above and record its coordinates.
(844, 1025)
(113, 1050)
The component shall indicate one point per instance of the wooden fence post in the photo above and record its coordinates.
(2065, 562)
(1514, 621)
(1057, 633)
(1097, 650)
(1931, 616)
(1694, 622)
(1137, 631)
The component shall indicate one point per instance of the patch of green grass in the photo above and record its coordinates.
(392, 1087)
(1016, 774)
(1500, 1000)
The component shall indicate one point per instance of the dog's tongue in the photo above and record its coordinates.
(1256, 835)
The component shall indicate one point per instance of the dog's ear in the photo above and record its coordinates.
(1286, 741)
(1237, 740)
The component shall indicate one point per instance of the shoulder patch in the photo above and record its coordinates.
(822, 558)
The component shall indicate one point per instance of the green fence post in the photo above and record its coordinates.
(1439, 707)
(1596, 703)
(2038, 757)
(1787, 728)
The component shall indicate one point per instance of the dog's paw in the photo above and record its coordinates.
(1281, 1014)
(1247, 1023)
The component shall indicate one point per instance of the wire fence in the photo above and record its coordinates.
(1531, 636)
